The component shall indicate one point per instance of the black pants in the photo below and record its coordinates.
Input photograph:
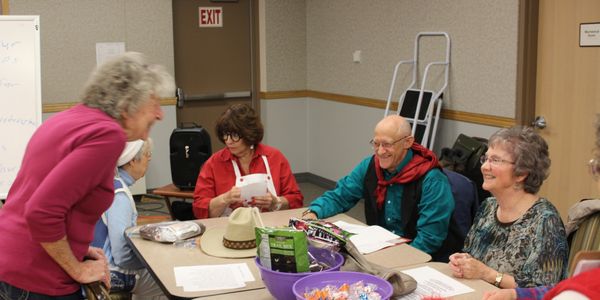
(9, 292)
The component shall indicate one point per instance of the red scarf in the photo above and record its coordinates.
(423, 160)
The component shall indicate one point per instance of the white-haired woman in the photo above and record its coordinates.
(66, 181)
(127, 272)
(518, 238)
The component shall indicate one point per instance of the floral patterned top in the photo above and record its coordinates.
(533, 249)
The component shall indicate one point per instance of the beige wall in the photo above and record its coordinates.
(70, 29)
(285, 45)
(333, 136)
(483, 59)
(304, 45)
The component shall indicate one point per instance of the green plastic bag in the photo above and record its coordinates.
(282, 249)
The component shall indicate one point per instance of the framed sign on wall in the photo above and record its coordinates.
(589, 34)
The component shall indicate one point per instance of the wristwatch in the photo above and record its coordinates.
(278, 204)
(498, 279)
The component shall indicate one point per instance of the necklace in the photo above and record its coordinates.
(522, 206)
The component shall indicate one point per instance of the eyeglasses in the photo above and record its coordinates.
(594, 167)
(386, 146)
(494, 161)
(232, 135)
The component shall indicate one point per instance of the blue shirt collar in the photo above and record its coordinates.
(126, 177)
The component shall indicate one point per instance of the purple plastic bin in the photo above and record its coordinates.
(320, 280)
(280, 284)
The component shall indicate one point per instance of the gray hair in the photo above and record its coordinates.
(144, 150)
(529, 152)
(124, 83)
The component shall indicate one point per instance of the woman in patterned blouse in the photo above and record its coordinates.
(518, 238)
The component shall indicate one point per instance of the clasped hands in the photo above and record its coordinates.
(234, 195)
(463, 265)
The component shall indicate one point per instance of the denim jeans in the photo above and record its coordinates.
(9, 292)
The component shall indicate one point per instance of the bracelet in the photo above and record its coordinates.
(499, 277)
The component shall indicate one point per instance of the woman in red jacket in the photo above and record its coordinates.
(244, 159)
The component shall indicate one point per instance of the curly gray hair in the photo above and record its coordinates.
(529, 152)
(124, 83)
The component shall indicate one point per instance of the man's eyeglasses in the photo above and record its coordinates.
(594, 167)
(232, 135)
(494, 161)
(385, 146)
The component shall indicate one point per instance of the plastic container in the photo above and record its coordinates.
(280, 284)
(320, 280)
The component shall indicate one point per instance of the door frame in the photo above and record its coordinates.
(255, 54)
(527, 46)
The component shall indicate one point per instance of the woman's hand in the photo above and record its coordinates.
(233, 196)
(265, 202)
(98, 254)
(454, 264)
(503, 294)
(94, 268)
(464, 265)
(95, 253)
(219, 204)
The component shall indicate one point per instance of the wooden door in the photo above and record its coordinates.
(568, 97)
(214, 66)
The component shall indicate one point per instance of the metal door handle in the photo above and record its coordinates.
(182, 97)
(539, 122)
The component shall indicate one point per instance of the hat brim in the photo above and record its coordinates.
(211, 243)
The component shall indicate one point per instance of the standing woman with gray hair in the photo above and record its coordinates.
(518, 238)
(66, 181)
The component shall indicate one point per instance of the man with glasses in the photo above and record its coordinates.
(403, 186)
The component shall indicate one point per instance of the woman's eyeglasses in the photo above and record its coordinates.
(594, 167)
(494, 161)
(232, 135)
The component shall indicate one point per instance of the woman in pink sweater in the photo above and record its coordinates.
(65, 182)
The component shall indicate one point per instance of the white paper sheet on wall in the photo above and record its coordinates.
(104, 51)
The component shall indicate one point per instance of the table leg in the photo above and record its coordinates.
(168, 203)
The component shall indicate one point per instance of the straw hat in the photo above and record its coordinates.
(238, 239)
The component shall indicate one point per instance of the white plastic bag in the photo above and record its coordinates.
(171, 231)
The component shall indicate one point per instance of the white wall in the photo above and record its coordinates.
(328, 138)
(285, 123)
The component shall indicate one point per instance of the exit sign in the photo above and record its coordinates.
(210, 16)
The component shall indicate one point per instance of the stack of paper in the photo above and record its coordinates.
(212, 277)
(369, 239)
(433, 283)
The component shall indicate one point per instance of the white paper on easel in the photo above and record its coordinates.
(253, 185)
